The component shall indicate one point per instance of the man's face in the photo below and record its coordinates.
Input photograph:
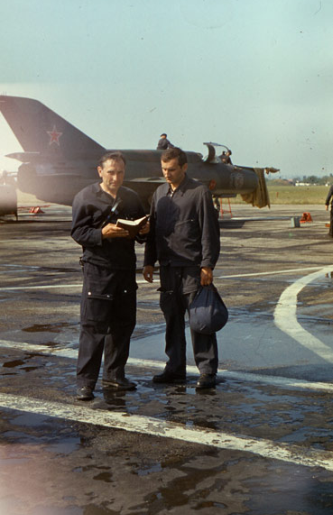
(173, 172)
(112, 174)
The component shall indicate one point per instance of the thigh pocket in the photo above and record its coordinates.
(125, 308)
(168, 301)
(97, 308)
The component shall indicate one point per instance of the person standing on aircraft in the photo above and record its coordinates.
(225, 157)
(329, 199)
(185, 238)
(108, 304)
(164, 143)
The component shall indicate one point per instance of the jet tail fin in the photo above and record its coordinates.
(39, 129)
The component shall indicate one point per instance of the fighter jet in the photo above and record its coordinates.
(59, 160)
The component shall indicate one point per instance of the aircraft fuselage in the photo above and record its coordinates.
(59, 159)
(59, 181)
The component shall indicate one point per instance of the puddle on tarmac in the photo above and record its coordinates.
(30, 420)
(300, 486)
(36, 429)
(51, 328)
(147, 330)
(65, 446)
(117, 400)
(13, 364)
(211, 504)
(320, 437)
(70, 510)
(13, 461)
(19, 437)
(104, 476)
(21, 365)
(149, 470)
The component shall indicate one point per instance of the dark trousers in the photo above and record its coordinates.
(178, 288)
(108, 316)
(330, 232)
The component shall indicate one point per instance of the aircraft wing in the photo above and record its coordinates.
(24, 157)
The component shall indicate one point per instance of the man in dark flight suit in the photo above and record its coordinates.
(108, 304)
(329, 199)
(185, 238)
(225, 157)
(164, 143)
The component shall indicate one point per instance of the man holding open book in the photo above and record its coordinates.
(108, 304)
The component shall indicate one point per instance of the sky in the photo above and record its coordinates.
(254, 75)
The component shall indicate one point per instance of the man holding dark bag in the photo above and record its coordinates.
(185, 238)
(207, 312)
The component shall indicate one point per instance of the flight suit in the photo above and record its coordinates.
(327, 202)
(108, 302)
(184, 237)
(108, 316)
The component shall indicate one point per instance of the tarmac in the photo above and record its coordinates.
(261, 443)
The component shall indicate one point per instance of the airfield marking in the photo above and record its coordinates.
(52, 286)
(42, 287)
(286, 310)
(292, 454)
(285, 316)
(283, 382)
(142, 281)
(274, 272)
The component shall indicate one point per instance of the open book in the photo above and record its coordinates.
(132, 226)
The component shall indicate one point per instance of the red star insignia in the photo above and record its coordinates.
(54, 136)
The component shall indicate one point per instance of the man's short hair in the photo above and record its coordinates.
(172, 153)
(114, 156)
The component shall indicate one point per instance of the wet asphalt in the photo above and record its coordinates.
(261, 443)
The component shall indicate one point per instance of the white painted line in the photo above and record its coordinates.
(285, 316)
(52, 286)
(39, 349)
(273, 272)
(142, 281)
(42, 287)
(11, 265)
(293, 454)
(283, 382)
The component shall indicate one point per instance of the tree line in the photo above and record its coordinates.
(306, 179)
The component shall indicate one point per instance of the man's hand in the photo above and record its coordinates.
(206, 276)
(145, 229)
(112, 231)
(148, 272)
